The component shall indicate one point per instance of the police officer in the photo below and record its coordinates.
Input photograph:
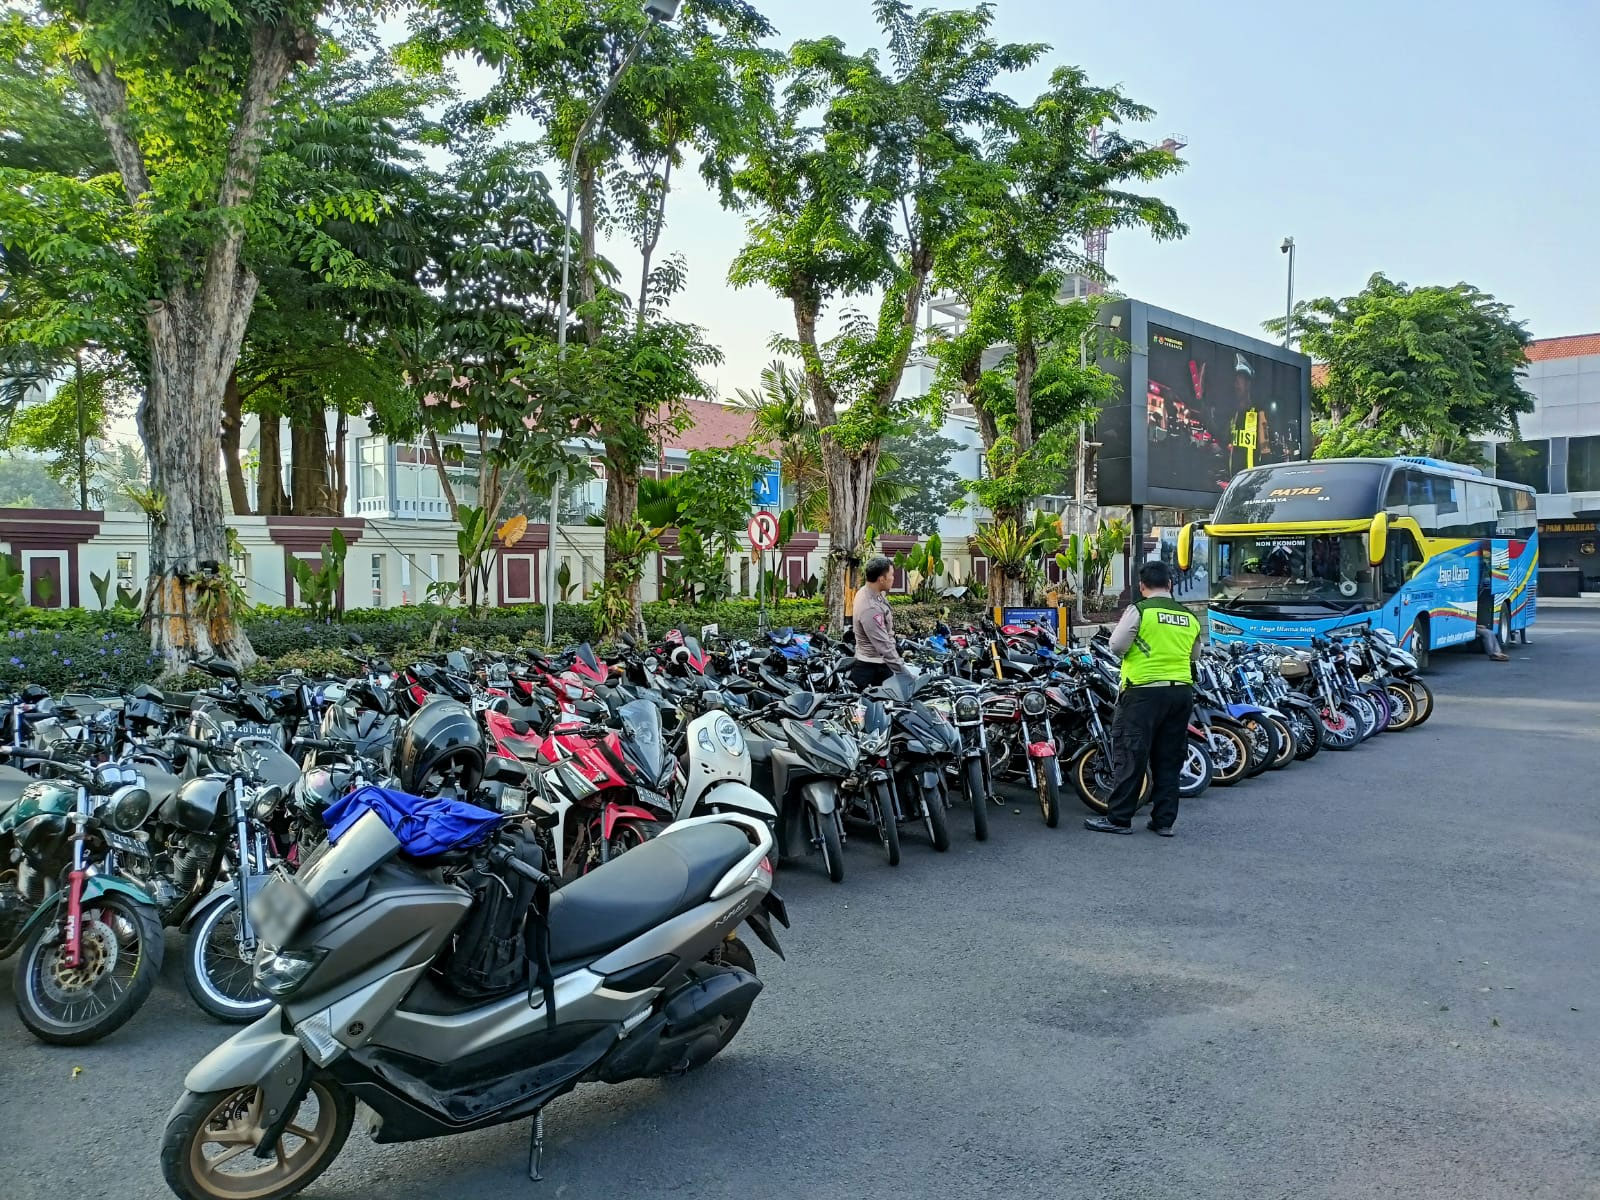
(1158, 640)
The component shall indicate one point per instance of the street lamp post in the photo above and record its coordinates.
(659, 12)
(1288, 312)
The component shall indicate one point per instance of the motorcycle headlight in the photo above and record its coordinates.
(875, 743)
(266, 803)
(126, 808)
(968, 709)
(279, 972)
(730, 737)
(1033, 703)
(707, 742)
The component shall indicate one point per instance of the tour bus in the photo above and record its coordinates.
(1304, 548)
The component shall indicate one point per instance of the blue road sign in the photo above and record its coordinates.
(768, 489)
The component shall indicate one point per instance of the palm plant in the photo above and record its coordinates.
(1010, 548)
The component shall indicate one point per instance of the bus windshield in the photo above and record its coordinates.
(1313, 491)
(1279, 568)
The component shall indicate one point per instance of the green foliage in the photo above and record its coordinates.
(1088, 559)
(476, 541)
(322, 588)
(11, 588)
(564, 585)
(1008, 546)
(926, 561)
(128, 601)
(1413, 370)
(627, 546)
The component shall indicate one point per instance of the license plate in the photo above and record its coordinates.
(278, 908)
(124, 844)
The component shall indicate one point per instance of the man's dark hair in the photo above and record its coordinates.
(877, 568)
(1155, 576)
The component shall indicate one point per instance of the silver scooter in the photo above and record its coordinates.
(648, 979)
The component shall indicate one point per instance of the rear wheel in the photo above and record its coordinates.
(208, 1150)
(1094, 777)
(119, 958)
(1195, 774)
(933, 810)
(978, 797)
(1419, 642)
(888, 827)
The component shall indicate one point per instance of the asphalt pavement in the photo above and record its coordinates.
(1370, 975)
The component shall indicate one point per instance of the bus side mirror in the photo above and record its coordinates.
(1378, 539)
(1185, 546)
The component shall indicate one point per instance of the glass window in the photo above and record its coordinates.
(1526, 462)
(1400, 561)
(1323, 567)
(377, 581)
(1330, 491)
(1583, 464)
(371, 457)
(1518, 516)
(127, 566)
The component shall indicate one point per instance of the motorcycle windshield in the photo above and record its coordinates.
(338, 872)
(641, 738)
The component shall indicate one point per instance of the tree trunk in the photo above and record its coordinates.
(341, 484)
(1008, 590)
(308, 465)
(622, 505)
(232, 419)
(271, 500)
(849, 485)
(192, 349)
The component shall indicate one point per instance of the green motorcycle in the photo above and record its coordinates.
(88, 940)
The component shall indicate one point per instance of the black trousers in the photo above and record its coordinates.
(869, 674)
(1151, 729)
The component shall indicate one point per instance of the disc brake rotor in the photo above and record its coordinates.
(98, 954)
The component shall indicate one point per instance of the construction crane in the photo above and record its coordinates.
(1094, 242)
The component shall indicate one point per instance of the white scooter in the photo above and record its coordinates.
(716, 769)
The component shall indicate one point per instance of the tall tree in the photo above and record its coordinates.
(863, 205)
(1056, 172)
(183, 91)
(1413, 370)
(697, 86)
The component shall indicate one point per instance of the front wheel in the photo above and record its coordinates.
(1265, 745)
(825, 831)
(208, 1150)
(888, 827)
(1423, 695)
(1307, 733)
(1286, 744)
(1195, 774)
(978, 797)
(1419, 643)
(1402, 706)
(120, 956)
(1049, 792)
(217, 971)
(1341, 728)
(934, 815)
(1094, 777)
(1230, 754)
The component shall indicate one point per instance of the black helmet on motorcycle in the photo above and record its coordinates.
(440, 747)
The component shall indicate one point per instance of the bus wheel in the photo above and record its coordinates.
(1505, 629)
(1419, 642)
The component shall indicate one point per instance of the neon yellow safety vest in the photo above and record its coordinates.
(1161, 649)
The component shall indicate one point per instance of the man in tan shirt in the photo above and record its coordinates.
(872, 622)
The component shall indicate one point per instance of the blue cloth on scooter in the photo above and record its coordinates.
(426, 826)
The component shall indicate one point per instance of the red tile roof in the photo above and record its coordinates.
(1579, 345)
(716, 427)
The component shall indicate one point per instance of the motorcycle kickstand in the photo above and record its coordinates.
(536, 1148)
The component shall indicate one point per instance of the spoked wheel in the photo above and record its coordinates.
(1049, 793)
(1402, 706)
(208, 1151)
(119, 958)
(825, 836)
(1341, 728)
(978, 797)
(1195, 774)
(1378, 697)
(1423, 695)
(888, 827)
(1265, 745)
(217, 969)
(1366, 714)
(1307, 733)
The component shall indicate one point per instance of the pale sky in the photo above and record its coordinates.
(1435, 141)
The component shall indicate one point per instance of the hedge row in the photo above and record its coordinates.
(76, 648)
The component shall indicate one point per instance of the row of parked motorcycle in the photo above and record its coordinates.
(122, 815)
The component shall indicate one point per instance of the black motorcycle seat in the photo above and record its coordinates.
(801, 705)
(644, 887)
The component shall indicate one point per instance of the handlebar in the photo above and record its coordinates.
(500, 856)
(335, 745)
